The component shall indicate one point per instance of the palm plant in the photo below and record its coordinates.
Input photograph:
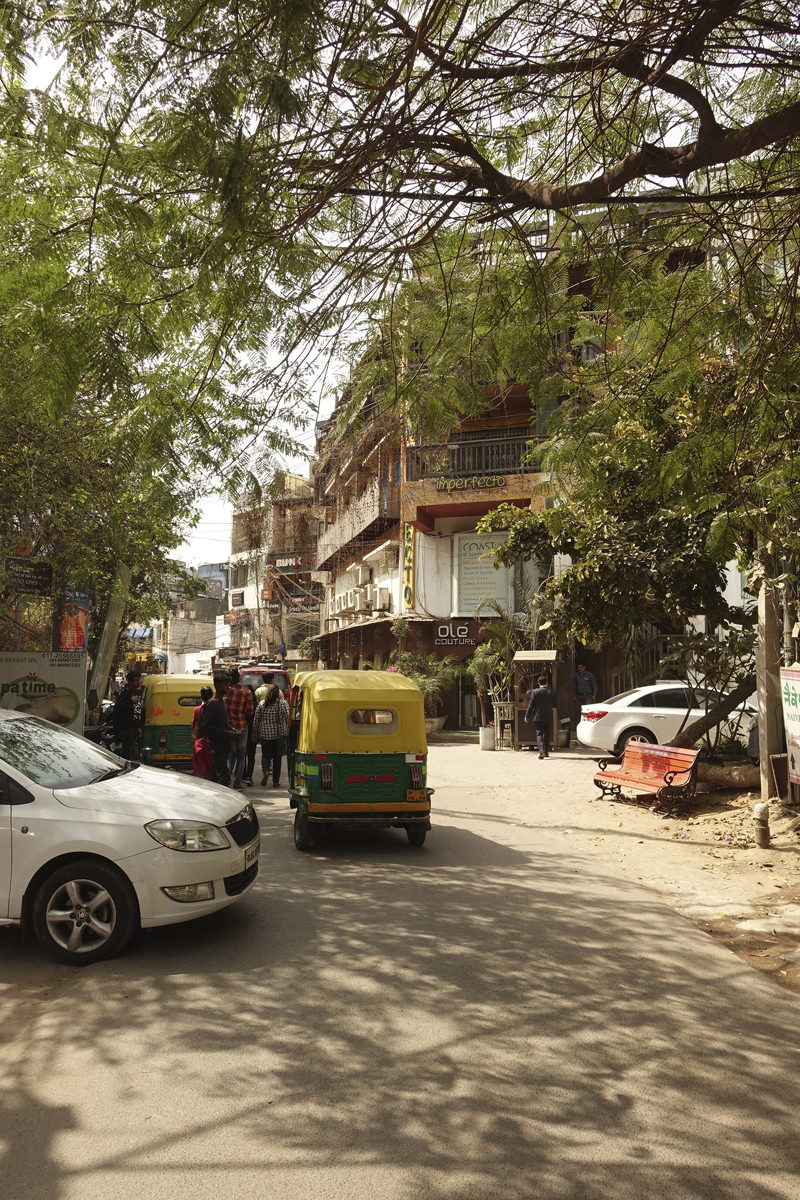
(483, 668)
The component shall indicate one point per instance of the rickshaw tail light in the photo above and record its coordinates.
(326, 777)
(385, 778)
(416, 776)
(162, 739)
(357, 779)
(319, 757)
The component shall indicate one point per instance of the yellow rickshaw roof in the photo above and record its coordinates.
(176, 683)
(355, 685)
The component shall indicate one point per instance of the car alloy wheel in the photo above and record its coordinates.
(84, 912)
(635, 735)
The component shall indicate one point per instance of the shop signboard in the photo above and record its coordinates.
(237, 599)
(28, 578)
(465, 483)
(408, 567)
(454, 633)
(51, 686)
(790, 696)
(478, 581)
(284, 560)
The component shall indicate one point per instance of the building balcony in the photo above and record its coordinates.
(362, 522)
(503, 456)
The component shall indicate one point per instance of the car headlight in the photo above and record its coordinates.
(188, 835)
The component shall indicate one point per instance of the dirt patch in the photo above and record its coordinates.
(762, 950)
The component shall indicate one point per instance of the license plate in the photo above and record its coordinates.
(416, 795)
(251, 854)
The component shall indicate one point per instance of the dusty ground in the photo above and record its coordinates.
(705, 863)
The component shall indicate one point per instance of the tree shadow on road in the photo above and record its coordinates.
(460, 1020)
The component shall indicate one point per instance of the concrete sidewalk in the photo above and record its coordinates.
(705, 864)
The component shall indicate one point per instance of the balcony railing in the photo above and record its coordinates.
(501, 456)
(365, 518)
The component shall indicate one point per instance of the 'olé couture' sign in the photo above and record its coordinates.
(464, 483)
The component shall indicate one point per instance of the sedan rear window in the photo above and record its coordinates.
(54, 757)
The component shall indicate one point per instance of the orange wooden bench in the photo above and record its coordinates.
(668, 772)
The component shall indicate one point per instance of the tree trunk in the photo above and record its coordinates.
(482, 700)
(692, 733)
(730, 776)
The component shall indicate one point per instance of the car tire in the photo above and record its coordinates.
(416, 836)
(302, 831)
(86, 911)
(637, 734)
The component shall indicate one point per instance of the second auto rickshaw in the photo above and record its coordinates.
(357, 754)
(169, 704)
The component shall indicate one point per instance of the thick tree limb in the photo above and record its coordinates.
(715, 715)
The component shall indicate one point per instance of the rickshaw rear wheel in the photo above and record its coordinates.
(416, 836)
(302, 831)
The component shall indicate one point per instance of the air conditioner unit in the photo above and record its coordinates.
(363, 574)
(341, 602)
(381, 602)
(351, 598)
(361, 599)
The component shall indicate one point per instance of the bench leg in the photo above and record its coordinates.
(610, 790)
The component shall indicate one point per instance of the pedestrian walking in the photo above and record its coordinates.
(239, 703)
(217, 728)
(202, 762)
(250, 756)
(267, 680)
(270, 727)
(128, 714)
(540, 709)
(584, 689)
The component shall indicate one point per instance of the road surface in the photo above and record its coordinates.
(490, 1015)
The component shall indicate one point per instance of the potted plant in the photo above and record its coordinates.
(482, 667)
(433, 676)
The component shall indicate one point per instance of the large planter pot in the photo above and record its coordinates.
(486, 737)
(434, 724)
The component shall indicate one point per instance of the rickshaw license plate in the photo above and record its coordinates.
(416, 795)
(251, 854)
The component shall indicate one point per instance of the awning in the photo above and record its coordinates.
(160, 656)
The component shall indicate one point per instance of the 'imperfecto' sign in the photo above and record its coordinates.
(478, 581)
(52, 686)
(463, 483)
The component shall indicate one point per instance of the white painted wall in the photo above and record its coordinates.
(433, 575)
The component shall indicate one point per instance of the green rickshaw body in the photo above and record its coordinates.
(169, 704)
(357, 753)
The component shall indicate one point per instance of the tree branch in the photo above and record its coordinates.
(715, 715)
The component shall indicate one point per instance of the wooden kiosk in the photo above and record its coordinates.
(528, 665)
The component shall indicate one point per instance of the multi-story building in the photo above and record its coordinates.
(273, 599)
(397, 537)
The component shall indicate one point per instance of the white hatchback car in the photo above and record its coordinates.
(92, 847)
(653, 713)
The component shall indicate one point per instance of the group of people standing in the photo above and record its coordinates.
(228, 725)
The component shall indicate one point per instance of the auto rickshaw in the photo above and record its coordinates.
(357, 754)
(169, 704)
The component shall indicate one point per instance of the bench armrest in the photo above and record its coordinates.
(603, 762)
(669, 776)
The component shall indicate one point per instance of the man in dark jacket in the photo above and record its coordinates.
(217, 728)
(128, 713)
(540, 707)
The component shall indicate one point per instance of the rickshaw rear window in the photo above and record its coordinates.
(372, 720)
(189, 701)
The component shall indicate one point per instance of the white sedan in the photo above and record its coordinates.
(92, 847)
(653, 713)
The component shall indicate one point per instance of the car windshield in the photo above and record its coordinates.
(54, 757)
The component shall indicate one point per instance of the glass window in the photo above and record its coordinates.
(648, 700)
(54, 757)
(372, 720)
(674, 698)
(189, 701)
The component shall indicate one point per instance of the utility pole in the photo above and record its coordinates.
(768, 661)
